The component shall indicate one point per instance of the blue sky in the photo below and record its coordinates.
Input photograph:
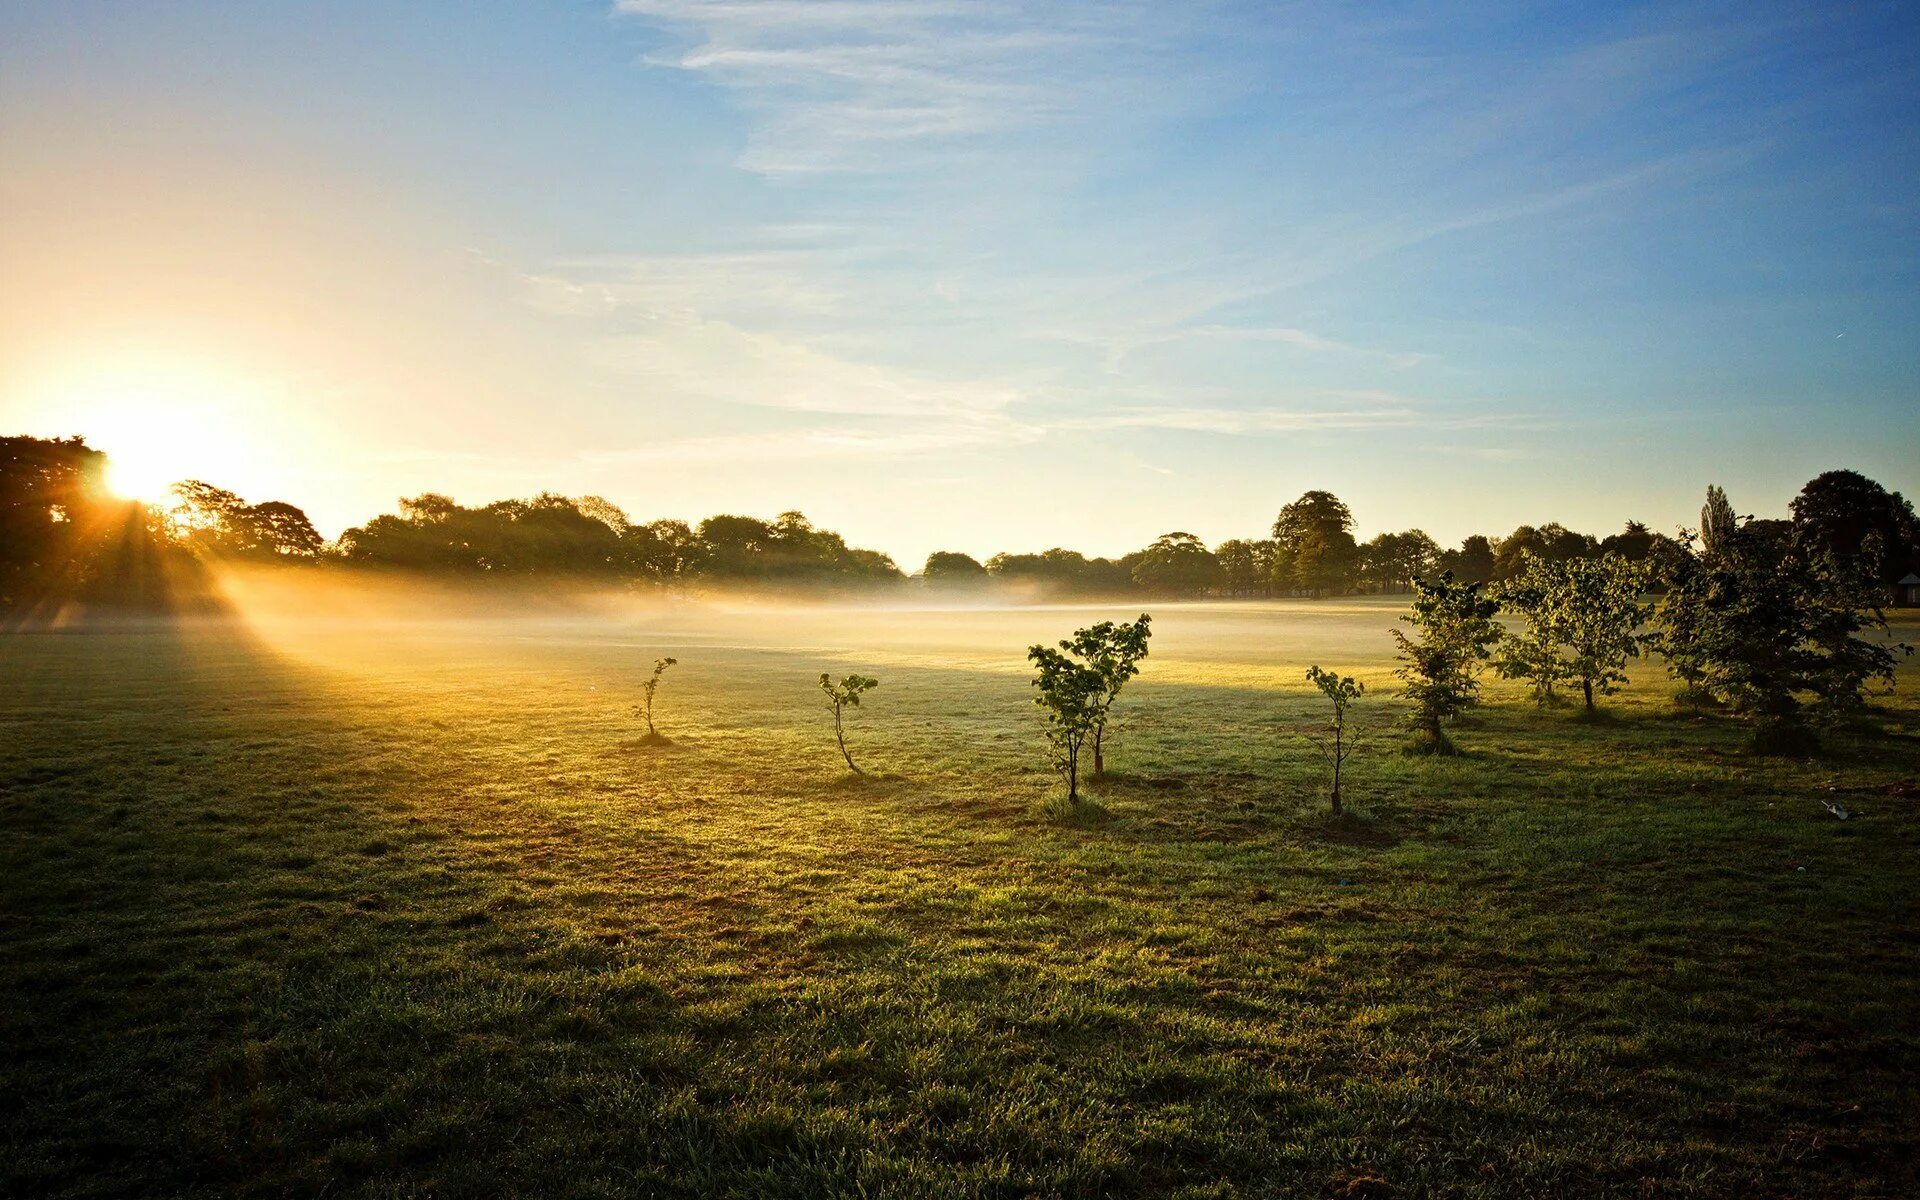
(972, 275)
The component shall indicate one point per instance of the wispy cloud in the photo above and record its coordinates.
(852, 85)
(1119, 346)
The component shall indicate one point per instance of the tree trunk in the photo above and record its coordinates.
(1099, 758)
(840, 733)
(1337, 758)
(1586, 686)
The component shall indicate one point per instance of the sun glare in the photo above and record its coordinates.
(159, 428)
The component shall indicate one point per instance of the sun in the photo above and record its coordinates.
(161, 428)
(141, 469)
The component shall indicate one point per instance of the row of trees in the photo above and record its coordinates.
(63, 535)
(553, 535)
(1779, 621)
(1312, 551)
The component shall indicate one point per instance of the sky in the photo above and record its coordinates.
(969, 275)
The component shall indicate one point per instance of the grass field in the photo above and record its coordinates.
(371, 907)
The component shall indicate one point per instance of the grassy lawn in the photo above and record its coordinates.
(371, 908)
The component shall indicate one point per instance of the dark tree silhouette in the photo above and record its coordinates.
(947, 569)
(1851, 517)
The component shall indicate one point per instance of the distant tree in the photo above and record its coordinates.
(1472, 562)
(1335, 741)
(735, 547)
(209, 518)
(669, 550)
(870, 567)
(1552, 542)
(1717, 522)
(1634, 543)
(1314, 550)
(1582, 617)
(1392, 561)
(649, 688)
(1773, 616)
(1852, 517)
(1178, 564)
(1244, 566)
(1113, 651)
(1061, 572)
(947, 569)
(1073, 696)
(278, 530)
(605, 511)
(1440, 669)
(840, 697)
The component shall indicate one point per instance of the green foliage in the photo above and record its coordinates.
(1314, 550)
(1074, 698)
(1061, 572)
(1440, 670)
(1392, 561)
(1581, 621)
(1472, 562)
(1552, 541)
(1178, 564)
(1246, 567)
(1770, 622)
(840, 697)
(651, 686)
(1677, 617)
(1717, 522)
(1335, 741)
(1113, 651)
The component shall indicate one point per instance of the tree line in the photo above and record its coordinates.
(64, 537)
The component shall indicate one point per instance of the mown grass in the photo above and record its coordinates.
(386, 910)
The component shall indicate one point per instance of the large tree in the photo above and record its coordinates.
(1852, 517)
(1178, 564)
(1770, 623)
(1314, 550)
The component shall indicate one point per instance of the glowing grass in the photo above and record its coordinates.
(425, 919)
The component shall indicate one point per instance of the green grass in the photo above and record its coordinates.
(371, 909)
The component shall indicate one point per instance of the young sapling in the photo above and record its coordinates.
(842, 696)
(1335, 740)
(648, 689)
